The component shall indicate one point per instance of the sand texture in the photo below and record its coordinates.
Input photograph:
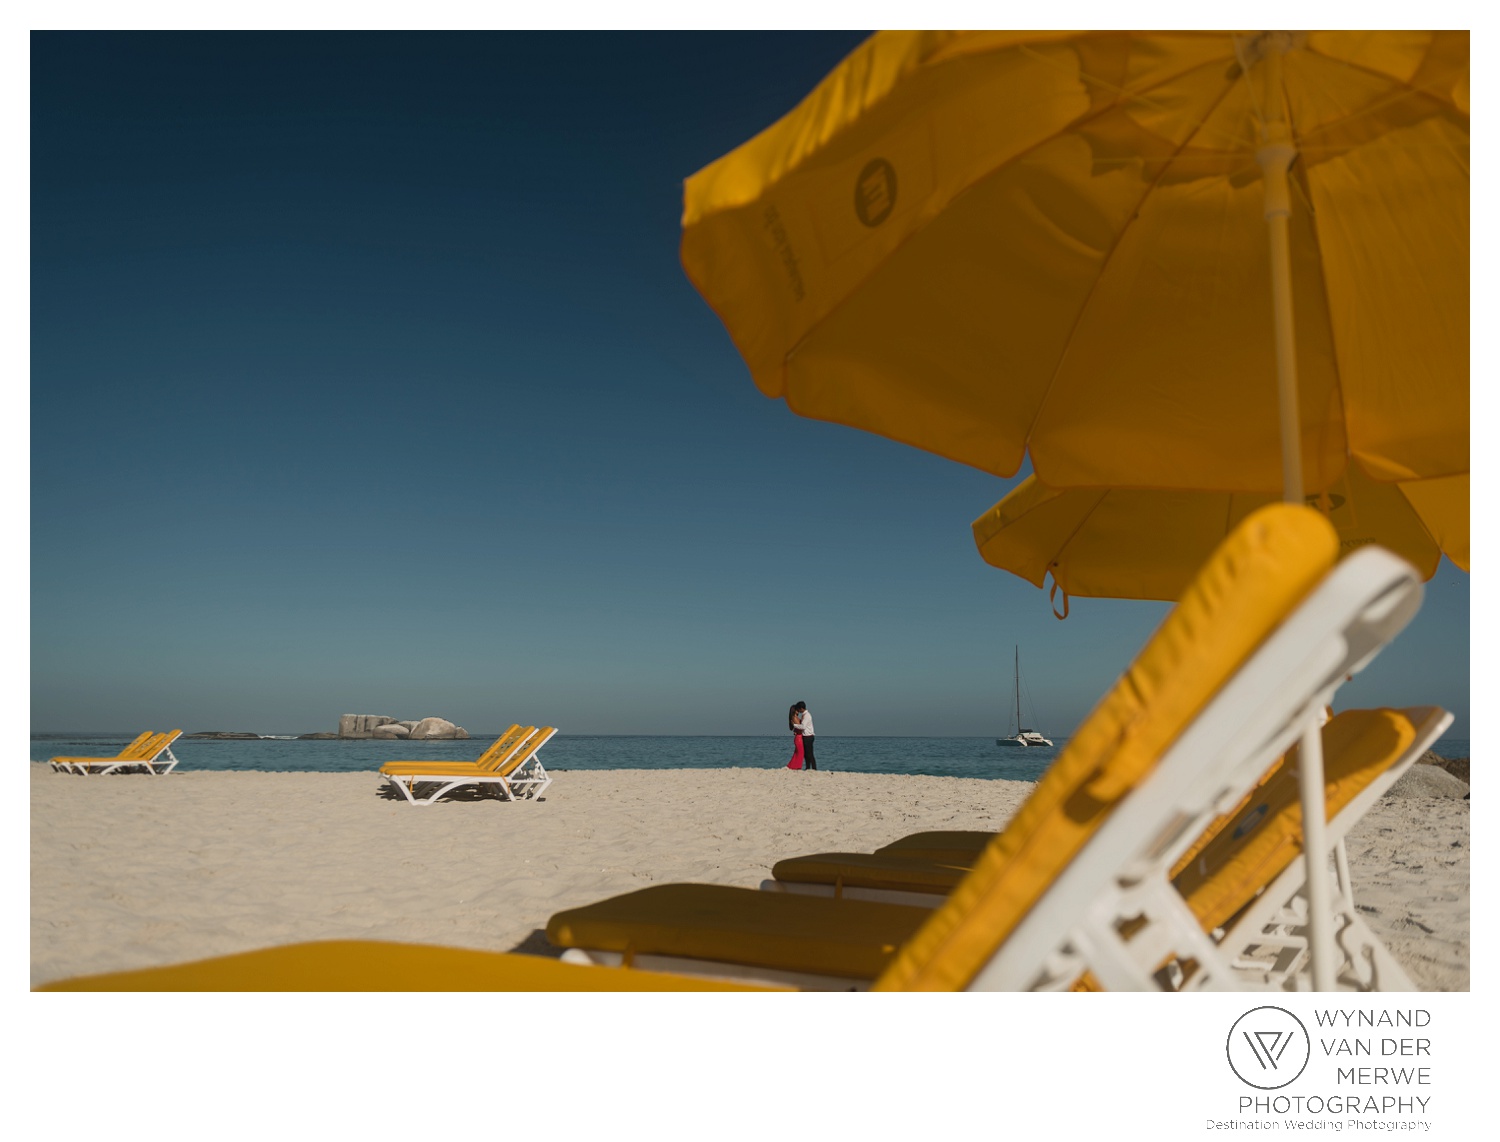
(1409, 861)
(136, 871)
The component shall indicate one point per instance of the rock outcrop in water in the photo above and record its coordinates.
(361, 725)
(434, 728)
(384, 727)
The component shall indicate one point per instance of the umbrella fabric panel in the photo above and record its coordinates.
(1443, 506)
(1143, 544)
(1393, 229)
(973, 243)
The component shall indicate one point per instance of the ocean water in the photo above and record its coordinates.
(938, 757)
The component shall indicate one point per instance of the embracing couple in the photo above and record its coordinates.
(799, 721)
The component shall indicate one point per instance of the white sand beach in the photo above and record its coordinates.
(135, 871)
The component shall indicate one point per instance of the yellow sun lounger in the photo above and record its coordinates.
(1244, 874)
(922, 868)
(65, 764)
(1241, 853)
(1080, 882)
(149, 753)
(485, 761)
(374, 965)
(510, 766)
(1268, 938)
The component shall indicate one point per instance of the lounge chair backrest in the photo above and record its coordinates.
(150, 747)
(499, 760)
(503, 742)
(1256, 578)
(520, 756)
(1264, 835)
(161, 742)
(134, 748)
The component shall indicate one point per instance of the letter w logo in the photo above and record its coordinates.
(1268, 1046)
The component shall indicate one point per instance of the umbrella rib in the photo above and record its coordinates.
(1072, 535)
(1125, 95)
(1104, 269)
(1400, 90)
(1322, 479)
(1403, 88)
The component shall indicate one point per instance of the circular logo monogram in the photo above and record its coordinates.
(875, 192)
(1268, 1047)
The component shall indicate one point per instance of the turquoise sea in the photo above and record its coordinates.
(939, 757)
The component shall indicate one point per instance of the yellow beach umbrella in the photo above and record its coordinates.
(1171, 260)
(1130, 543)
(980, 243)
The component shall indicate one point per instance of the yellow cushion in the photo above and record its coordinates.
(370, 965)
(873, 870)
(1252, 582)
(854, 938)
(500, 744)
(945, 846)
(144, 748)
(433, 768)
(488, 761)
(1265, 835)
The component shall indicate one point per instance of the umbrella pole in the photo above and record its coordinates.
(1275, 157)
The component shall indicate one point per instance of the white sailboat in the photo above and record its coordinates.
(1022, 736)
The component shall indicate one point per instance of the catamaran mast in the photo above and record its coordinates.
(1018, 689)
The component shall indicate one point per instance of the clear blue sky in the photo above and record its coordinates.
(365, 379)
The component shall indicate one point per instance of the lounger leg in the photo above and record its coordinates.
(449, 788)
(405, 792)
(1315, 854)
(1345, 882)
(1128, 936)
(1370, 966)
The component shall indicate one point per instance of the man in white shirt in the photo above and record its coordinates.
(804, 720)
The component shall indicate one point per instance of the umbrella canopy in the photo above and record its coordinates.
(984, 243)
(1141, 544)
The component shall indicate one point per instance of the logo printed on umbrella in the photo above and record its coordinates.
(875, 192)
(1268, 1047)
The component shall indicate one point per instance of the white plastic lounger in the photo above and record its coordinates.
(1122, 876)
(149, 753)
(1267, 943)
(130, 752)
(515, 773)
(530, 779)
(1079, 884)
(889, 875)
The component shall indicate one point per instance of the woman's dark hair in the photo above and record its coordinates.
(791, 718)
